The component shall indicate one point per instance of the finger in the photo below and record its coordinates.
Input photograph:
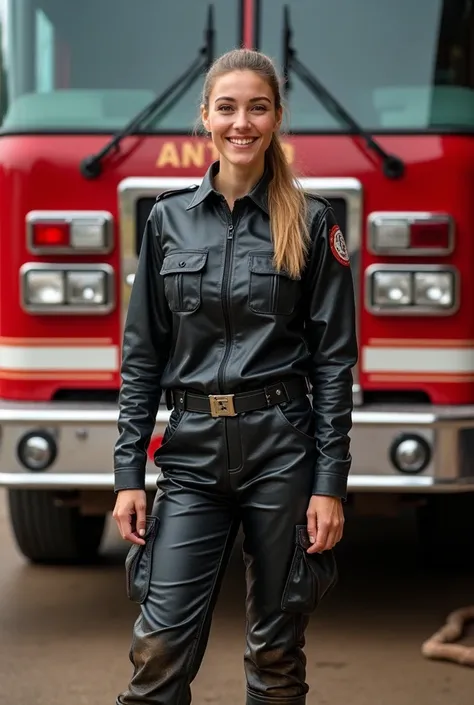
(311, 526)
(340, 532)
(140, 520)
(332, 538)
(321, 537)
(127, 530)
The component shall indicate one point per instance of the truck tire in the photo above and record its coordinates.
(446, 531)
(51, 534)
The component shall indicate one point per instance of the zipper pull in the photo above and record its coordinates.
(230, 233)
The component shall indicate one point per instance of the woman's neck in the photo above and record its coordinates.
(234, 183)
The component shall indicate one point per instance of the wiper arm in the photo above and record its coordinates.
(393, 166)
(91, 166)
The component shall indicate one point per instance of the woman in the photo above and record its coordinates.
(243, 293)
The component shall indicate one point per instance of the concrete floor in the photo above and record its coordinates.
(64, 633)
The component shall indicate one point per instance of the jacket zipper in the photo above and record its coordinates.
(229, 246)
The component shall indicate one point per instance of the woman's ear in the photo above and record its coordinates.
(205, 118)
(279, 118)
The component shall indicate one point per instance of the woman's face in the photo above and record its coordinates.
(241, 118)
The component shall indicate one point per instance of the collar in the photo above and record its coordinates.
(259, 193)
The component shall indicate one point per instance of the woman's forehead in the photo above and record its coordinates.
(241, 85)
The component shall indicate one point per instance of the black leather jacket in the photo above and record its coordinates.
(208, 312)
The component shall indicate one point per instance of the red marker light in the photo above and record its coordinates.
(51, 235)
(153, 447)
(430, 234)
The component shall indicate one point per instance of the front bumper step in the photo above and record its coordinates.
(85, 436)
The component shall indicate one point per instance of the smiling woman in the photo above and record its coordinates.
(91, 66)
(241, 115)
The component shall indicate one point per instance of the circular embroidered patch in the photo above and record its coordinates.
(338, 245)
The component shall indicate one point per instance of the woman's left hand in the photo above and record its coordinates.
(325, 521)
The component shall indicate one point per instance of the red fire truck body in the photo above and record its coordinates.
(68, 252)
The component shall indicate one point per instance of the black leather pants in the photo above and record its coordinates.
(256, 470)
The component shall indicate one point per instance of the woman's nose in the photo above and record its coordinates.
(241, 120)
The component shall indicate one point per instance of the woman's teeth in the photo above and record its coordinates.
(241, 141)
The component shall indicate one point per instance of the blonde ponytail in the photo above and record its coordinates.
(287, 206)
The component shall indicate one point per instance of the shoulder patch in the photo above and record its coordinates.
(172, 192)
(338, 245)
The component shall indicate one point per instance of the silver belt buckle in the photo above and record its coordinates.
(222, 405)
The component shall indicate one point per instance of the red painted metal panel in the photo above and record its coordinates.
(42, 172)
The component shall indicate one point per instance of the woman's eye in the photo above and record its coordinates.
(259, 108)
(224, 108)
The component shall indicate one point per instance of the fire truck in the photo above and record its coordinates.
(98, 101)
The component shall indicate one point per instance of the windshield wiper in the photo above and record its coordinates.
(91, 166)
(393, 166)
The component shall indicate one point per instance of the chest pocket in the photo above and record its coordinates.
(182, 271)
(270, 291)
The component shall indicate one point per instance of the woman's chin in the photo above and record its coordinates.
(246, 159)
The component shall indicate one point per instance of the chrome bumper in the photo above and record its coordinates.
(85, 435)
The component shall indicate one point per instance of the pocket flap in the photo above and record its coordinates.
(302, 538)
(262, 263)
(184, 261)
(138, 563)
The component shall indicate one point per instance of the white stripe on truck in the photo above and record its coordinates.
(398, 359)
(38, 358)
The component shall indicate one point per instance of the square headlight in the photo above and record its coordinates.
(86, 288)
(392, 288)
(43, 288)
(434, 289)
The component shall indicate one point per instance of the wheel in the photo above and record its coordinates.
(48, 533)
(446, 531)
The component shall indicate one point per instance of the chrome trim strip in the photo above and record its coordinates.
(410, 217)
(105, 481)
(12, 413)
(35, 217)
(409, 310)
(134, 188)
(408, 483)
(71, 309)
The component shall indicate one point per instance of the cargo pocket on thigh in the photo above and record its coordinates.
(310, 578)
(138, 564)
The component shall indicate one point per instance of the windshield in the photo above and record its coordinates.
(394, 64)
(91, 65)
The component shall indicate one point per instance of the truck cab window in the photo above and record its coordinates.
(394, 65)
(91, 66)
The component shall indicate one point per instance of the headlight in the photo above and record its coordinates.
(67, 289)
(434, 289)
(44, 288)
(86, 287)
(411, 290)
(392, 288)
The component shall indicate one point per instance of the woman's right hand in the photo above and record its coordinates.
(130, 515)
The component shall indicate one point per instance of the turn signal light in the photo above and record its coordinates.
(69, 232)
(411, 233)
(49, 235)
(432, 234)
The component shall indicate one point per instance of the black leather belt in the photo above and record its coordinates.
(233, 404)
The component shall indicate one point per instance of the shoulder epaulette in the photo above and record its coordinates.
(317, 197)
(172, 192)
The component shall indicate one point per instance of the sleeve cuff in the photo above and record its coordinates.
(330, 484)
(129, 479)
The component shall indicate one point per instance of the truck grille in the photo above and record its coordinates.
(144, 205)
